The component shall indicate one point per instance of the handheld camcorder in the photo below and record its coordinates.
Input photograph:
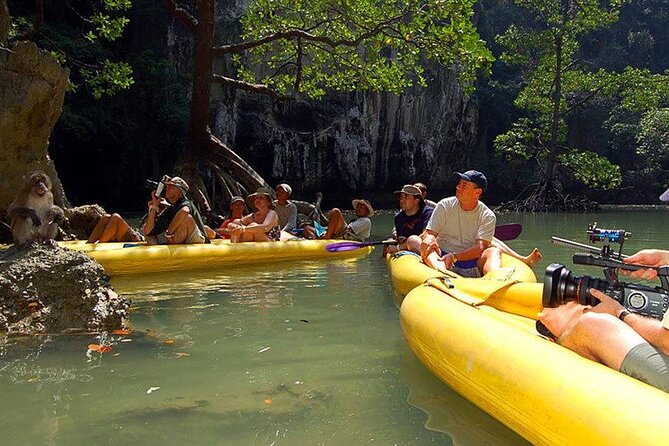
(158, 186)
(561, 285)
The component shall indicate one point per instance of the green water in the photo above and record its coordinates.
(303, 353)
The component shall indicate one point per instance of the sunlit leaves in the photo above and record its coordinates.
(377, 45)
(111, 78)
(557, 82)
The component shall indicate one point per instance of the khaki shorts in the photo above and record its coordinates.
(646, 363)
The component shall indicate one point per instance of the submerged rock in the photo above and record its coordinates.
(48, 289)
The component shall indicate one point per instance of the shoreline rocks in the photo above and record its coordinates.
(48, 289)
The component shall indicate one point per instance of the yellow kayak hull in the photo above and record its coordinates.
(140, 258)
(496, 359)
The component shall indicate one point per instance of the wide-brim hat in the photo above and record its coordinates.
(366, 203)
(178, 182)
(665, 195)
(262, 191)
(475, 177)
(285, 187)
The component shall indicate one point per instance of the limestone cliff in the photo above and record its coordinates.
(32, 89)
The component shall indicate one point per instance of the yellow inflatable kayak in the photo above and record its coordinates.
(479, 337)
(139, 258)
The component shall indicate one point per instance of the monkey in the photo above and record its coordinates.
(33, 216)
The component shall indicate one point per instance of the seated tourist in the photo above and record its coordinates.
(285, 209)
(260, 226)
(237, 205)
(423, 192)
(113, 228)
(459, 234)
(175, 224)
(410, 221)
(359, 229)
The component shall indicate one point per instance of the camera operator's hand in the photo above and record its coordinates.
(647, 257)
(607, 304)
(561, 319)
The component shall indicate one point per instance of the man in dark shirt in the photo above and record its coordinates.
(411, 220)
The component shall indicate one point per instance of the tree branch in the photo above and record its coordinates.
(181, 14)
(253, 88)
(302, 34)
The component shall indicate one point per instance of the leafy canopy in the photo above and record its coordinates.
(76, 34)
(557, 81)
(377, 45)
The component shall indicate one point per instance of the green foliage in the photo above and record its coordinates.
(558, 81)
(110, 79)
(359, 45)
(78, 35)
(653, 138)
(591, 169)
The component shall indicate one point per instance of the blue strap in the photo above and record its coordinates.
(464, 264)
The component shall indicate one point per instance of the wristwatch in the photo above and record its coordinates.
(623, 314)
(455, 258)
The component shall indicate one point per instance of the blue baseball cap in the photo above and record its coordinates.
(475, 177)
(665, 195)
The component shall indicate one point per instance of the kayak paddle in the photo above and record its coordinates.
(504, 232)
(350, 246)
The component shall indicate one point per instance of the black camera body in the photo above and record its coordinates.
(158, 186)
(562, 286)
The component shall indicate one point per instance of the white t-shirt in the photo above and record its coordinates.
(360, 228)
(459, 229)
(665, 320)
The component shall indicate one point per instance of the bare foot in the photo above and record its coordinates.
(534, 257)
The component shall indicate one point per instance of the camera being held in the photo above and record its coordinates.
(561, 285)
(158, 186)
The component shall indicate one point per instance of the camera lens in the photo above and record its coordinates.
(562, 286)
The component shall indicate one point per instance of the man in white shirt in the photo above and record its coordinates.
(459, 233)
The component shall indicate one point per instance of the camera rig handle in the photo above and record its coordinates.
(610, 265)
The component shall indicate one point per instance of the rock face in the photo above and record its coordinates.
(361, 141)
(32, 89)
(4, 22)
(45, 289)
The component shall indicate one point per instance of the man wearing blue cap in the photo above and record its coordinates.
(459, 233)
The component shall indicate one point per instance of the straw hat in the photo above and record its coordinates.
(365, 203)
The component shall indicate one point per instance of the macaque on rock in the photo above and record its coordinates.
(33, 215)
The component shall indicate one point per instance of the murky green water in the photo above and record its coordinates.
(302, 353)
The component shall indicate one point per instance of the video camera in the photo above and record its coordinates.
(562, 286)
(158, 186)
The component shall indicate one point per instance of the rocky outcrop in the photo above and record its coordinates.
(46, 289)
(32, 89)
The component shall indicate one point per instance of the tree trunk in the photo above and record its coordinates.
(206, 161)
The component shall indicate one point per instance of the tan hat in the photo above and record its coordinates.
(178, 182)
(265, 191)
(366, 203)
(410, 189)
(285, 187)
